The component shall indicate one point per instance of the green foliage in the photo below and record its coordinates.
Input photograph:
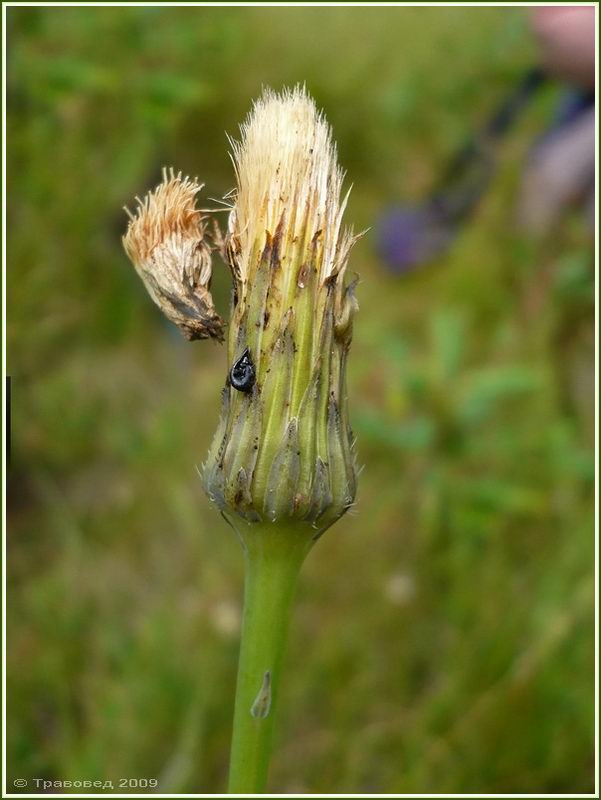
(443, 640)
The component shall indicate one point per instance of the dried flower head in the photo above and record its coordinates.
(166, 242)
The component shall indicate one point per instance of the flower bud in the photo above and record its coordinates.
(284, 449)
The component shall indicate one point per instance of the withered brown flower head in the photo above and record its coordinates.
(166, 241)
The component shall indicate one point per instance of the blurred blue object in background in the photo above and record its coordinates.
(408, 237)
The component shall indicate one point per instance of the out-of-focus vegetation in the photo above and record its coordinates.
(442, 639)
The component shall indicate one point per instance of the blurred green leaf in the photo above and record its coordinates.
(486, 390)
(415, 434)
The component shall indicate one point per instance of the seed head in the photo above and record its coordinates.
(283, 449)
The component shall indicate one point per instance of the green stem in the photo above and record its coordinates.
(274, 554)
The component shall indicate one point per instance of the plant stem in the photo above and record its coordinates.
(274, 554)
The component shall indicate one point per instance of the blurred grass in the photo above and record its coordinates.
(443, 636)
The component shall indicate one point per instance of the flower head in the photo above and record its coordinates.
(284, 447)
(166, 242)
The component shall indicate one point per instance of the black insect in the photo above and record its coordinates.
(242, 374)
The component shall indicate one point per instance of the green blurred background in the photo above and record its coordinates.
(442, 639)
